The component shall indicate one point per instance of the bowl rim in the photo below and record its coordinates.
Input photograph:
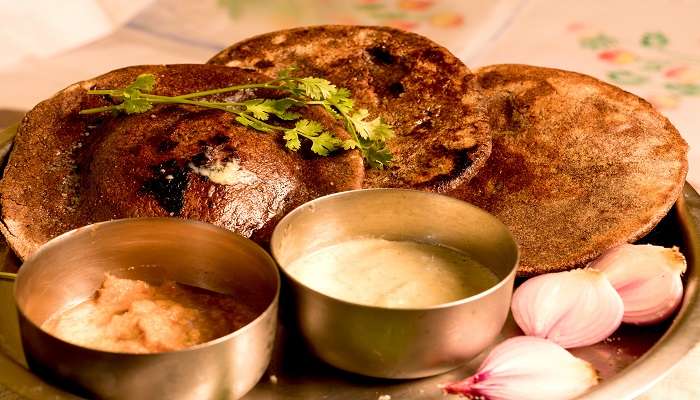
(509, 277)
(269, 309)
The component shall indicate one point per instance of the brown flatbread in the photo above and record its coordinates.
(424, 91)
(577, 165)
(68, 170)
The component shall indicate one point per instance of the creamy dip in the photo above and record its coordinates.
(397, 274)
(132, 316)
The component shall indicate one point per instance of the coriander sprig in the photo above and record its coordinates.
(368, 136)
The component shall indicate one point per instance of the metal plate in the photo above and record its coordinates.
(629, 362)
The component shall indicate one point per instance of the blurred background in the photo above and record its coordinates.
(651, 48)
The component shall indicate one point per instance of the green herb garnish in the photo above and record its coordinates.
(368, 136)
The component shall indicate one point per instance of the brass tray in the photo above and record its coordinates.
(629, 362)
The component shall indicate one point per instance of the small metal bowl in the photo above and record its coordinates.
(392, 342)
(68, 269)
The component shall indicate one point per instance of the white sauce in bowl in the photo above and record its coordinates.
(394, 274)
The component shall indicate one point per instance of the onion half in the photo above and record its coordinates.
(527, 368)
(648, 279)
(573, 308)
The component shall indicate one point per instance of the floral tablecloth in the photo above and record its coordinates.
(650, 48)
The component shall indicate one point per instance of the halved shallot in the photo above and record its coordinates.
(647, 277)
(573, 308)
(527, 368)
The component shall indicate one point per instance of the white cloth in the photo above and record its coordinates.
(44, 28)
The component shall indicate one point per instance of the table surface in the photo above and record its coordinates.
(649, 48)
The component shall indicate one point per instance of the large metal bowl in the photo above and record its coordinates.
(398, 342)
(69, 268)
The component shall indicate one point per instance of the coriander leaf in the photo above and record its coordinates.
(292, 138)
(342, 101)
(381, 131)
(330, 110)
(377, 156)
(248, 121)
(243, 120)
(304, 128)
(261, 108)
(349, 144)
(316, 88)
(374, 130)
(288, 115)
(133, 102)
(322, 142)
(257, 125)
(307, 128)
(280, 108)
(135, 105)
(143, 83)
(361, 127)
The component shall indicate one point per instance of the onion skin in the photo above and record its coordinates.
(573, 308)
(648, 279)
(527, 368)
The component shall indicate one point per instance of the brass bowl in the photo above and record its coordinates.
(391, 342)
(68, 269)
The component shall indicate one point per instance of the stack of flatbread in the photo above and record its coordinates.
(572, 165)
